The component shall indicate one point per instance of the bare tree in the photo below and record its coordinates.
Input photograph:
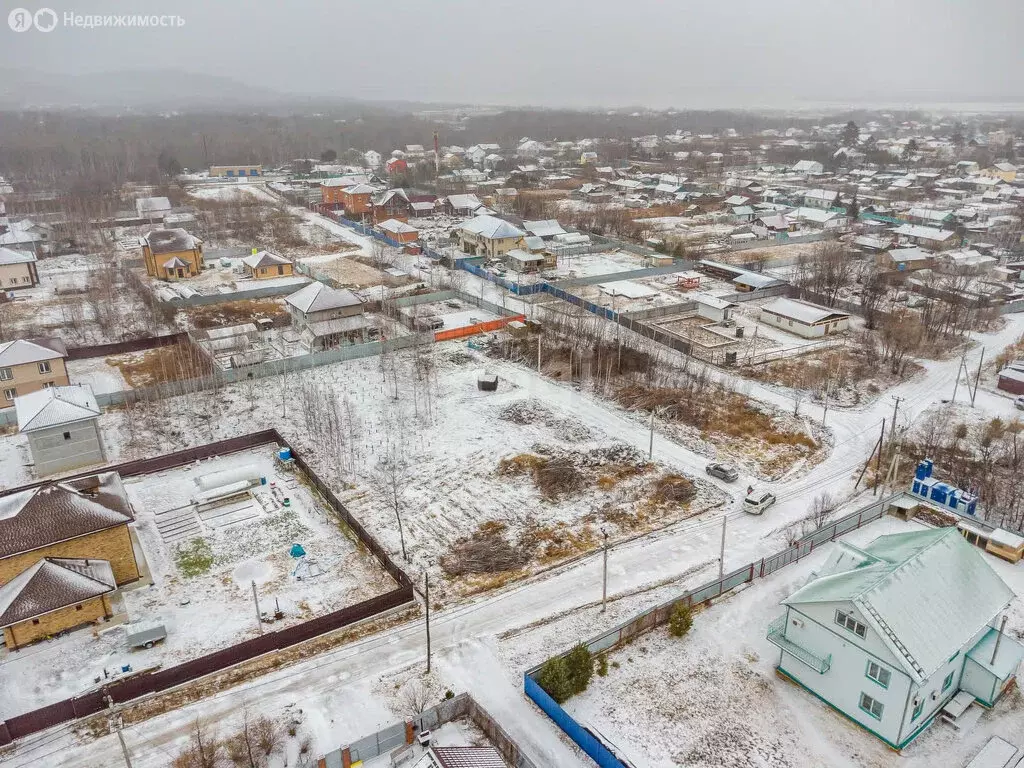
(205, 749)
(394, 476)
(822, 509)
(413, 698)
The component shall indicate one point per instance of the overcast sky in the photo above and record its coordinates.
(659, 53)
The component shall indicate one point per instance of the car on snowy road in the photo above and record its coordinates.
(725, 472)
(757, 501)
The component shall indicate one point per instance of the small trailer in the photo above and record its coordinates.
(144, 634)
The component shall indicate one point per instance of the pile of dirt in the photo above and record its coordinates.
(530, 411)
(558, 472)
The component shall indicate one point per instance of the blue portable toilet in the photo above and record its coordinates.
(297, 551)
(924, 469)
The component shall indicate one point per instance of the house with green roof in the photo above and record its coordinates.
(890, 633)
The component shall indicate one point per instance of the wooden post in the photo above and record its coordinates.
(410, 734)
(346, 759)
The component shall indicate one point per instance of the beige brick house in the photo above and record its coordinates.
(17, 270)
(28, 365)
(55, 595)
(86, 518)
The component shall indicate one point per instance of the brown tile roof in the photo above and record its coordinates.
(55, 512)
(51, 584)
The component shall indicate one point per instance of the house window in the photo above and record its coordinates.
(253, 172)
(78, 607)
(879, 674)
(918, 708)
(67, 435)
(850, 624)
(872, 707)
(231, 173)
(49, 384)
(947, 682)
(35, 621)
(6, 374)
(10, 393)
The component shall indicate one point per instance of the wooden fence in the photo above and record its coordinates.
(93, 702)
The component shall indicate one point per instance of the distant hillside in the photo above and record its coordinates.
(139, 89)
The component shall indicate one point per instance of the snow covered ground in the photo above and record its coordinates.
(97, 373)
(249, 542)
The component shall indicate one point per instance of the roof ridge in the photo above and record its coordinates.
(897, 566)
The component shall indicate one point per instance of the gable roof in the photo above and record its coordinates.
(171, 240)
(52, 584)
(464, 202)
(317, 297)
(821, 194)
(384, 197)
(544, 228)
(396, 226)
(491, 227)
(359, 189)
(21, 351)
(926, 593)
(54, 406)
(924, 233)
(54, 512)
(144, 205)
(801, 310)
(264, 259)
(10, 256)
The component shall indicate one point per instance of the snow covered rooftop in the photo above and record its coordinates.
(397, 227)
(21, 351)
(146, 206)
(264, 259)
(801, 310)
(171, 240)
(461, 757)
(544, 228)
(55, 406)
(926, 593)
(9, 256)
(317, 297)
(492, 228)
(54, 512)
(924, 233)
(51, 584)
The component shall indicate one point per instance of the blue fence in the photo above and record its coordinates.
(362, 229)
(583, 738)
(595, 309)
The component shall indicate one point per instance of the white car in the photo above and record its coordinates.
(1019, 402)
(757, 501)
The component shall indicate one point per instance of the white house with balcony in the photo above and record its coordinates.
(892, 634)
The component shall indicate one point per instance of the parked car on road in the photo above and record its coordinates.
(725, 472)
(757, 501)
(1019, 402)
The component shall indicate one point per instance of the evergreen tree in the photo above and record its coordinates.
(850, 134)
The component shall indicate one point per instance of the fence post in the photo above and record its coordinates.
(346, 759)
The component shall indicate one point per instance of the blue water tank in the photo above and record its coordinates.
(285, 454)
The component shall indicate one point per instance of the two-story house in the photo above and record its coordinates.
(172, 254)
(890, 633)
(17, 270)
(489, 236)
(327, 317)
(28, 365)
(392, 204)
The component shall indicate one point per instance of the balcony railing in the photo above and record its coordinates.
(777, 637)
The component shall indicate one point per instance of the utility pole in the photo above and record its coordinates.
(956, 384)
(878, 446)
(604, 577)
(650, 447)
(539, 343)
(896, 400)
(878, 466)
(977, 377)
(120, 738)
(721, 554)
(426, 599)
(256, 602)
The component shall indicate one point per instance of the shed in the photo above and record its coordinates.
(803, 318)
(713, 308)
(62, 426)
(1011, 378)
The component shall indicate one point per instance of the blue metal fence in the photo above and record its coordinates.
(583, 738)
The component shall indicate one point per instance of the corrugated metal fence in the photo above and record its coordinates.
(660, 614)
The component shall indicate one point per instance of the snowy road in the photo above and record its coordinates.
(332, 688)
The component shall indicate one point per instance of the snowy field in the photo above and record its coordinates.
(97, 373)
(249, 542)
(712, 698)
